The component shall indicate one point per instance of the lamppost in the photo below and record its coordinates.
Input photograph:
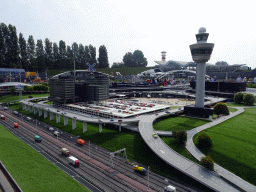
(160, 96)
(140, 96)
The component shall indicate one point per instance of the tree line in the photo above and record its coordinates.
(16, 52)
(135, 59)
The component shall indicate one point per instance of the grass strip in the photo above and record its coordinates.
(9, 98)
(172, 122)
(31, 170)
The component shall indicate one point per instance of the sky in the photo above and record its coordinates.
(149, 26)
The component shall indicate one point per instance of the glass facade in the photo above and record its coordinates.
(15, 73)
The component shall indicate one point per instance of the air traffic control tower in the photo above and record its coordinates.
(201, 53)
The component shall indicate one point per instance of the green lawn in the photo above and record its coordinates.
(235, 144)
(237, 105)
(111, 139)
(171, 122)
(31, 170)
(9, 98)
(232, 110)
(181, 150)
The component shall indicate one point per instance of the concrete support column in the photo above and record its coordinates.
(65, 121)
(200, 84)
(119, 127)
(100, 127)
(23, 106)
(20, 95)
(30, 109)
(26, 107)
(84, 126)
(35, 110)
(40, 112)
(57, 118)
(73, 123)
(51, 116)
(45, 114)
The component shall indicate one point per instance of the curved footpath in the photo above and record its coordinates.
(190, 146)
(211, 179)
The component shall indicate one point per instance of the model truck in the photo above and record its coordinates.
(140, 169)
(38, 138)
(74, 161)
(15, 125)
(65, 151)
(80, 142)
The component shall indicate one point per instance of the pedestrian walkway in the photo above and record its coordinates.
(190, 146)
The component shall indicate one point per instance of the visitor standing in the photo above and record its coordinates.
(238, 79)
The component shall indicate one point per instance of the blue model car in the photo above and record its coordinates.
(167, 112)
(111, 119)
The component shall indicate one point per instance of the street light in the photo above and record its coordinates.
(140, 96)
(160, 96)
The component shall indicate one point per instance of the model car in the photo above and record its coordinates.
(111, 119)
(75, 117)
(58, 110)
(5, 108)
(50, 129)
(56, 133)
(156, 114)
(100, 120)
(154, 135)
(91, 116)
(167, 112)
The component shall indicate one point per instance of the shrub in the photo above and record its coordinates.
(12, 90)
(181, 137)
(249, 99)
(208, 163)
(174, 133)
(239, 97)
(221, 108)
(204, 141)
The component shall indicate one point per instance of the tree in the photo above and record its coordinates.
(48, 53)
(128, 60)
(103, 57)
(75, 52)
(13, 48)
(3, 30)
(62, 54)
(31, 53)
(40, 56)
(221, 63)
(87, 55)
(81, 58)
(117, 65)
(23, 52)
(92, 51)
(55, 56)
(139, 59)
(70, 59)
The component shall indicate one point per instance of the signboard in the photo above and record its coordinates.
(19, 87)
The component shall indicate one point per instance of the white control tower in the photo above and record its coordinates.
(201, 53)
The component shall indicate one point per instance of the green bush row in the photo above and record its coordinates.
(247, 99)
